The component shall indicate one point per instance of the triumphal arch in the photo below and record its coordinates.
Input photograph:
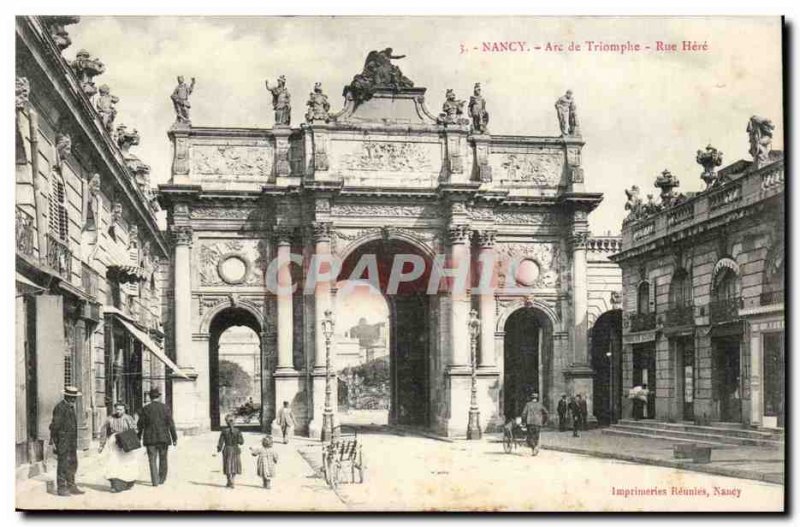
(386, 177)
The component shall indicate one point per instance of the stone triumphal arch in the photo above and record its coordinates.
(385, 176)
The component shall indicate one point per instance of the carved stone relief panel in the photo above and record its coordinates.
(393, 211)
(232, 213)
(232, 162)
(526, 217)
(538, 264)
(541, 169)
(402, 161)
(232, 262)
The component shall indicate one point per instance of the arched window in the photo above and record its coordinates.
(725, 284)
(643, 298)
(680, 289)
(59, 219)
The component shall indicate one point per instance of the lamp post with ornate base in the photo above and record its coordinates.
(474, 423)
(327, 414)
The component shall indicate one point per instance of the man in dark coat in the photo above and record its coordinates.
(157, 431)
(575, 414)
(584, 411)
(562, 413)
(534, 416)
(64, 438)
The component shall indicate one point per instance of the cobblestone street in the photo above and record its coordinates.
(414, 473)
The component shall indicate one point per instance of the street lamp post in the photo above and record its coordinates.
(473, 425)
(327, 414)
(610, 385)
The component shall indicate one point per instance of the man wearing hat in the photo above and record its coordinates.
(64, 438)
(157, 430)
(534, 416)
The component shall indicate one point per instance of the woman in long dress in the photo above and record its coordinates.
(229, 440)
(121, 468)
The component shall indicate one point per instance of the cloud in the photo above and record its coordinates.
(640, 113)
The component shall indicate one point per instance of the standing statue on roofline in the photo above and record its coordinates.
(281, 102)
(180, 100)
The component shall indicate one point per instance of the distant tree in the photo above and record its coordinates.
(233, 377)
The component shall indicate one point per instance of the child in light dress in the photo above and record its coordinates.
(266, 459)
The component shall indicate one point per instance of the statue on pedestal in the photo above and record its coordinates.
(477, 110)
(452, 110)
(281, 102)
(378, 72)
(105, 107)
(567, 115)
(87, 68)
(760, 131)
(180, 100)
(709, 160)
(318, 105)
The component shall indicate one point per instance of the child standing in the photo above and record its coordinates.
(229, 440)
(265, 461)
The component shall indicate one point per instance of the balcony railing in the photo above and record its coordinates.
(771, 297)
(679, 316)
(725, 310)
(90, 280)
(643, 321)
(25, 232)
(58, 256)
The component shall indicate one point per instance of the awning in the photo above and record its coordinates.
(126, 273)
(25, 286)
(146, 341)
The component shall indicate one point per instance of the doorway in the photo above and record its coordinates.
(726, 379)
(525, 364)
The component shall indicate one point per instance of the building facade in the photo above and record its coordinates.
(703, 281)
(88, 251)
(385, 177)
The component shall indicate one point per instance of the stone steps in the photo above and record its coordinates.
(721, 435)
(641, 434)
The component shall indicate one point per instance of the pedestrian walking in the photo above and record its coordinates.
(534, 416)
(266, 459)
(575, 415)
(286, 422)
(229, 440)
(157, 431)
(64, 440)
(639, 397)
(583, 409)
(562, 413)
(121, 466)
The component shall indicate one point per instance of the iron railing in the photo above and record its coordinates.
(25, 232)
(643, 321)
(679, 316)
(58, 256)
(771, 297)
(725, 309)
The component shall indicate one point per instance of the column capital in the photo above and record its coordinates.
(283, 234)
(486, 238)
(579, 239)
(458, 234)
(182, 234)
(321, 231)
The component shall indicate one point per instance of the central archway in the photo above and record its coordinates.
(236, 373)
(409, 325)
(527, 354)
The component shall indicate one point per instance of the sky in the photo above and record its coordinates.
(640, 113)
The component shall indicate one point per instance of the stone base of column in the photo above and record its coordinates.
(289, 387)
(580, 380)
(318, 396)
(190, 409)
(459, 385)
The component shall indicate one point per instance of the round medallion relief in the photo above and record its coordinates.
(527, 272)
(233, 268)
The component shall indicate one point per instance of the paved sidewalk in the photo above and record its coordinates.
(195, 482)
(748, 462)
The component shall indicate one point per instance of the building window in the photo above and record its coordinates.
(643, 298)
(69, 356)
(59, 219)
(680, 293)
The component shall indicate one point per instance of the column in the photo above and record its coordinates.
(486, 300)
(321, 232)
(284, 302)
(756, 354)
(322, 291)
(459, 299)
(579, 298)
(184, 399)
